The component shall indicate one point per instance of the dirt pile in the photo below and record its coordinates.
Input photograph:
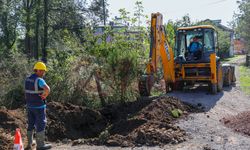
(142, 122)
(151, 125)
(65, 121)
(73, 122)
(6, 140)
(239, 123)
(9, 121)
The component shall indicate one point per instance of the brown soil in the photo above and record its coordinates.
(239, 123)
(73, 122)
(9, 121)
(152, 125)
(64, 121)
(142, 122)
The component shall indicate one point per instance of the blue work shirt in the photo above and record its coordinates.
(194, 47)
(41, 84)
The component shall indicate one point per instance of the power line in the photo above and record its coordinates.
(217, 2)
(198, 7)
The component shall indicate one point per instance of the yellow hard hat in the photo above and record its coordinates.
(40, 66)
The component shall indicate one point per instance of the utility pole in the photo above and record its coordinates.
(104, 13)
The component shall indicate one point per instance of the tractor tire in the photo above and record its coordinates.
(229, 74)
(219, 85)
(213, 88)
(228, 78)
(178, 85)
(169, 87)
(219, 78)
(233, 74)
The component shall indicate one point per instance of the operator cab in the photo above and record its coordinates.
(195, 44)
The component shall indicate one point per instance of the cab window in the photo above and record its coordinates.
(208, 40)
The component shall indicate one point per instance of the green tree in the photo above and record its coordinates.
(37, 29)
(170, 30)
(97, 9)
(29, 7)
(184, 22)
(243, 21)
(223, 38)
(139, 12)
(118, 62)
(63, 30)
(124, 15)
(9, 19)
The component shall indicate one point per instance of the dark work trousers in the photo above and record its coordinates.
(36, 119)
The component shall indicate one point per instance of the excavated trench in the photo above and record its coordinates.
(142, 122)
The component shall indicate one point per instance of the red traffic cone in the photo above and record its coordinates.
(18, 144)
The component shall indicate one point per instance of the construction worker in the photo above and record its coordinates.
(36, 92)
(195, 47)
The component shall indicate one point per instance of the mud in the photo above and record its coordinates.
(239, 123)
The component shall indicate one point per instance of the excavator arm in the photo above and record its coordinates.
(159, 50)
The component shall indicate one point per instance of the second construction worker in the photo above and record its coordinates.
(36, 92)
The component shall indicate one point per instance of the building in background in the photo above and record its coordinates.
(118, 26)
(240, 46)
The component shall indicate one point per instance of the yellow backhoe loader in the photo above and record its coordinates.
(193, 60)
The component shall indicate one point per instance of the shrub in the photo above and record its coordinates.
(14, 70)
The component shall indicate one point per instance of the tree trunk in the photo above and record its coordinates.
(6, 31)
(104, 12)
(37, 29)
(99, 89)
(27, 26)
(248, 60)
(45, 33)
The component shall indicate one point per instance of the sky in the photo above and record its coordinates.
(176, 9)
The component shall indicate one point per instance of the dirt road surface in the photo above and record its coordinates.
(205, 130)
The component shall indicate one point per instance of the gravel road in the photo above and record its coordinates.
(205, 131)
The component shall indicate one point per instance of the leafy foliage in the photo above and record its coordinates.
(84, 68)
(184, 22)
(14, 70)
(76, 56)
(139, 12)
(223, 39)
(242, 21)
(170, 29)
(97, 8)
(9, 18)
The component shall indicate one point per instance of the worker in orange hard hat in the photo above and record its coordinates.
(36, 92)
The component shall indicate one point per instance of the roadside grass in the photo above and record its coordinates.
(234, 58)
(245, 79)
